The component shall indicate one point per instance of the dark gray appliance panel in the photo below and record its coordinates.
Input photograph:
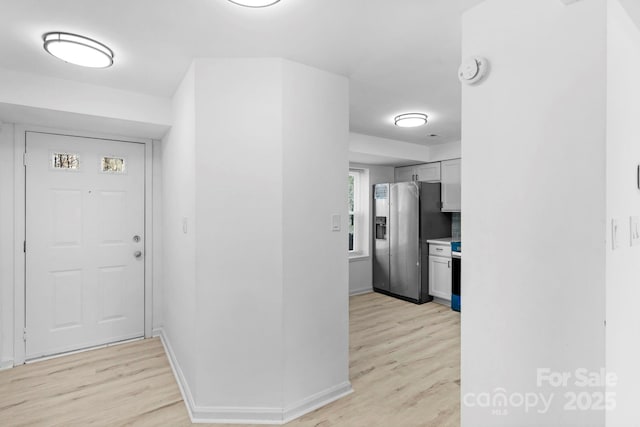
(381, 238)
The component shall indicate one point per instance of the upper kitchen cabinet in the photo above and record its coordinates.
(405, 174)
(425, 172)
(451, 188)
(428, 172)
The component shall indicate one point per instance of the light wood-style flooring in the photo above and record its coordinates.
(405, 370)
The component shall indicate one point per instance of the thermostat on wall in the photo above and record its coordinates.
(473, 70)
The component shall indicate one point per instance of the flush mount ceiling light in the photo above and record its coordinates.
(410, 120)
(255, 3)
(78, 50)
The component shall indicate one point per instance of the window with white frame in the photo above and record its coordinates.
(358, 207)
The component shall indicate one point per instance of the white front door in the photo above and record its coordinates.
(84, 242)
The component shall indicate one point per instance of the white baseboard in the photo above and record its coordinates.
(247, 415)
(360, 291)
(177, 372)
(316, 401)
(6, 364)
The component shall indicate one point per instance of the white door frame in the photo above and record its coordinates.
(19, 306)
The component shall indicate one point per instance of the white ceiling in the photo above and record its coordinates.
(401, 55)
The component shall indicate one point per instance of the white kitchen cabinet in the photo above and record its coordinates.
(440, 277)
(405, 174)
(451, 185)
(428, 172)
(424, 172)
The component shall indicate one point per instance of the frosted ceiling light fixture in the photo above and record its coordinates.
(78, 50)
(410, 120)
(255, 3)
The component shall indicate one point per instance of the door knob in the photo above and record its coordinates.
(136, 238)
(137, 254)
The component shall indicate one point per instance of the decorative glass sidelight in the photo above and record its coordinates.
(113, 164)
(65, 161)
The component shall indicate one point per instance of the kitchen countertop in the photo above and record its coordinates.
(440, 241)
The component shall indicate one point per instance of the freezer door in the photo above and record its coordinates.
(405, 242)
(381, 222)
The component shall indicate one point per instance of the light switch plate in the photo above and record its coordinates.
(634, 230)
(335, 222)
(614, 234)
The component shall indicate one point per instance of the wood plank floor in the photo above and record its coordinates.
(404, 369)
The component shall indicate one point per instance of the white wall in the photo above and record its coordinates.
(623, 201)
(533, 144)
(47, 93)
(448, 151)
(388, 148)
(178, 204)
(6, 244)
(361, 268)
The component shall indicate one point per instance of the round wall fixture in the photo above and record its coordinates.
(473, 70)
(410, 120)
(254, 3)
(78, 50)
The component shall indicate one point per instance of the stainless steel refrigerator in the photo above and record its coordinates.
(407, 214)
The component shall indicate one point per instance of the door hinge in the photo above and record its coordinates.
(24, 159)
(24, 334)
(24, 247)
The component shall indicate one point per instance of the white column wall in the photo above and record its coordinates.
(264, 302)
(240, 224)
(533, 146)
(315, 170)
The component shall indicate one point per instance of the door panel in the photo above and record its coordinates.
(428, 172)
(451, 189)
(405, 232)
(440, 277)
(84, 287)
(404, 174)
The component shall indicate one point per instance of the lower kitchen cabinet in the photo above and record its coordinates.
(440, 277)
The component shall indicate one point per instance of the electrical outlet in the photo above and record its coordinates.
(634, 230)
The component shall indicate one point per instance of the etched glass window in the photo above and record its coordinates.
(113, 164)
(65, 161)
